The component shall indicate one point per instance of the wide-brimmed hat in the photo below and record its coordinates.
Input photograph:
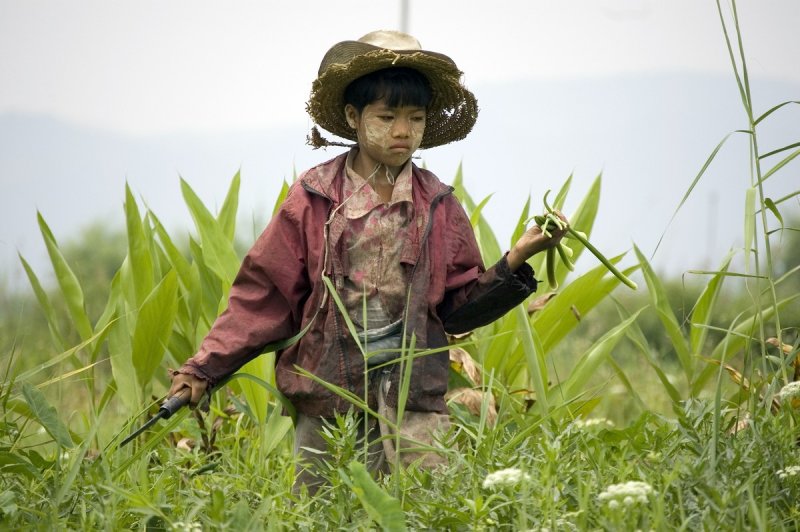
(451, 113)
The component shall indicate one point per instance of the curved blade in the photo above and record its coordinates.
(143, 428)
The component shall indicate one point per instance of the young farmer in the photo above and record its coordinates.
(394, 242)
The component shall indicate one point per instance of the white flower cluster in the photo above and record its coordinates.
(599, 422)
(505, 478)
(180, 526)
(561, 525)
(790, 471)
(628, 494)
(789, 392)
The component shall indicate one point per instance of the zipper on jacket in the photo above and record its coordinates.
(428, 227)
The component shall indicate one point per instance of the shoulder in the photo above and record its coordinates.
(428, 184)
(324, 177)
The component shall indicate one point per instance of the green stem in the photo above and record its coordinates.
(580, 237)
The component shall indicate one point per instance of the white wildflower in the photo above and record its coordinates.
(505, 478)
(599, 422)
(628, 493)
(790, 471)
(789, 392)
(180, 526)
(560, 525)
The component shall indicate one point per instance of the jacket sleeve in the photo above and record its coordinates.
(265, 301)
(474, 297)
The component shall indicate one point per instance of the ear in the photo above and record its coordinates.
(351, 115)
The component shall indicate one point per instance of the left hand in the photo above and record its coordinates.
(534, 241)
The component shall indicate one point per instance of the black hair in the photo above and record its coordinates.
(398, 86)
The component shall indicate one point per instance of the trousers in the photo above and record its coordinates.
(416, 442)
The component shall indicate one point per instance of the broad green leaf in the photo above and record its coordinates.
(46, 415)
(584, 216)
(562, 313)
(702, 312)
(774, 209)
(176, 258)
(658, 298)
(382, 508)
(153, 327)
(45, 304)
(67, 282)
(475, 215)
(120, 351)
(275, 431)
(15, 464)
(561, 196)
(490, 249)
(106, 321)
(257, 396)
(139, 257)
(587, 366)
(281, 197)
(638, 338)
(217, 249)
(535, 357)
(273, 391)
(521, 226)
(227, 214)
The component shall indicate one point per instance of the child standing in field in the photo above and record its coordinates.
(395, 243)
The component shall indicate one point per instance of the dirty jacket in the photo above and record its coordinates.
(279, 291)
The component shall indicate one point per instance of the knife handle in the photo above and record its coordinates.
(175, 403)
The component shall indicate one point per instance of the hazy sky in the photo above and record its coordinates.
(150, 66)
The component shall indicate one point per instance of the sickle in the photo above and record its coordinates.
(168, 407)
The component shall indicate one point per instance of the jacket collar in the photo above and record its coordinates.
(327, 178)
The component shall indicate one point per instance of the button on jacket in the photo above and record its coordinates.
(279, 290)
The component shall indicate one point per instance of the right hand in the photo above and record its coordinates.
(197, 385)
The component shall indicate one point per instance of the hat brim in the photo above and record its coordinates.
(451, 113)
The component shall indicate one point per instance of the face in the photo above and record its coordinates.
(387, 135)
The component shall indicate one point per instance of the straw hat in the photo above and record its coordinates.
(451, 113)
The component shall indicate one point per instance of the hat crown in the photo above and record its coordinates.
(391, 40)
(450, 114)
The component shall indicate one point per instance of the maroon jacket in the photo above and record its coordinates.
(279, 290)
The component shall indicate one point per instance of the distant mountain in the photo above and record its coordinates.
(648, 135)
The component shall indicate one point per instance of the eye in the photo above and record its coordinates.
(386, 118)
(418, 118)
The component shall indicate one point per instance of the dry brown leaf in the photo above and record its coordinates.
(465, 364)
(539, 303)
(741, 424)
(786, 348)
(473, 401)
(185, 444)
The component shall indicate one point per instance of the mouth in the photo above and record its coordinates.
(400, 147)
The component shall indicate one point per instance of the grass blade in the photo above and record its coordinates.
(659, 300)
(67, 282)
(44, 413)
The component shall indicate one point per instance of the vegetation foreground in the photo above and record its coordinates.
(592, 407)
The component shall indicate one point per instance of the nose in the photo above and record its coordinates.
(401, 128)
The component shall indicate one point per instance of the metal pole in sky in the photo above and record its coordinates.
(404, 16)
